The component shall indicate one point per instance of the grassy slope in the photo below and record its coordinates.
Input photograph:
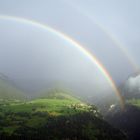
(135, 102)
(52, 114)
(53, 106)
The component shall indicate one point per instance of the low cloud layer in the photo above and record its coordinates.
(131, 88)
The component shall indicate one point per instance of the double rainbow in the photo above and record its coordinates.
(74, 43)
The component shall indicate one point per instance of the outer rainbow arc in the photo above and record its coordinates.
(74, 43)
(112, 37)
(118, 44)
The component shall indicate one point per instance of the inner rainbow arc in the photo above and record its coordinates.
(74, 43)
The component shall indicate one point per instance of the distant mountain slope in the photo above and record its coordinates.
(7, 90)
(57, 94)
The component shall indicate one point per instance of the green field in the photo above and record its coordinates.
(52, 106)
(135, 102)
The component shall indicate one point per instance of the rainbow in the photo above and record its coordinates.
(61, 35)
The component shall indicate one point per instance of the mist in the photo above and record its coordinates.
(49, 86)
(131, 87)
(36, 60)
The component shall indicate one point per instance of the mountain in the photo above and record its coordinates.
(127, 120)
(8, 90)
(57, 94)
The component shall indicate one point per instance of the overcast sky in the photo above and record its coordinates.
(28, 52)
